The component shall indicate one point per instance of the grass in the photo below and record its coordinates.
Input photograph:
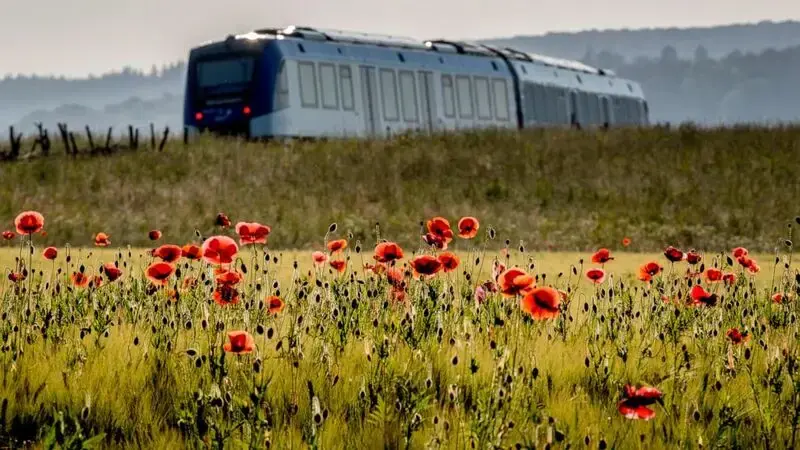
(557, 190)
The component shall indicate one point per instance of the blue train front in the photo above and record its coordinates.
(303, 82)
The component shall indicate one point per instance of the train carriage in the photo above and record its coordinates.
(305, 82)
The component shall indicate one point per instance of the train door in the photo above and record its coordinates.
(606, 107)
(575, 116)
(428, 106)
(369, 94)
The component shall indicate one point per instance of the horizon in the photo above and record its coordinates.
(105, 38)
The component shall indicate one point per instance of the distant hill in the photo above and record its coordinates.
(718, 41)
(724, 74)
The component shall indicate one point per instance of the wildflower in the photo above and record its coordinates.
(219, 250)
(602, 256)
(673, 254)
(50, 253)
(252, 233)
(386, 252)
(191, 252)
(168, 253)
(736, 336)
(239, 342)
(79, 279)
(112, 272)
(158, 273)
(274, 304)
(468, 227)
(626, 241)
(648, 270)
(337, 245)
(541, 303)
(692, 257)
(713, 275)
(729, 278)
(635, 401)
(597, 276)
(319, 258)
(440, 228)
(154, 235)
(739, 252)
(339, 265)
(425, 266)
(222, 221)
(449, 261)
(702, 297)
(515, 281)
(102, 240)
(8, 235)
(29, 222)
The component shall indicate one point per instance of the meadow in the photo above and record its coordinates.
(627, 289)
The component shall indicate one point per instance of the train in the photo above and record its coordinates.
(305, 82)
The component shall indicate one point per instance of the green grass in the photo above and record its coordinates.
(556, 189)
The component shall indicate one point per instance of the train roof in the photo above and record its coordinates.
(403, 42)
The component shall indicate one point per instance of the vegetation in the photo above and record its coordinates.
(550, 190)
(237, 346)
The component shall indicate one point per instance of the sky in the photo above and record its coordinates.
(78, 37)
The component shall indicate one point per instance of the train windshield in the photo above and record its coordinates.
(230, 73)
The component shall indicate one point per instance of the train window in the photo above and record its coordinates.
(408, 94)
(308, 84)
(483, 99)
(282, 89)
(330, 92)
(448, 96)
(389, 90)
(464, 94)
(346, 84)
(500, 99)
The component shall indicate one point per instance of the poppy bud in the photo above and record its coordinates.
(332, 227)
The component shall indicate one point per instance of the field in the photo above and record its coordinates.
(503, 335)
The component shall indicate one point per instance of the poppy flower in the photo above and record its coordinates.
(597, 276)
(154, 235)
(713, 275)
(50, 253)
(337, 245)
(8, 235)
(79, 279)
(648, 270)
(635, 401)
(102, 240)
(425, 266)
(191, 252)
(692, 257)
(736, 336)
(219, 250)
(275, 304)
(541, 303)
(395, 277)
(97, 281)
(168, 253)
(702, 297)
(16, 276)
(468, 227)
(386, 252)
(226, 294)
(435, 241)
(480, 294)
(29, 222)
(729, 278)
(778, 297)
(497, 269)
(626, 241)
(339, 265)
(397, 294)
(515, 281)
(229, 277)
(602, 256)
(112, 271)
(252, 233)
(673, 254)
(159, 272)
(739, 252)
(239, 342)
(449, 261)
(440, 227)
(319, 258)
(222, 221)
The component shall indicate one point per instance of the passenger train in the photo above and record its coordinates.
(302, 82)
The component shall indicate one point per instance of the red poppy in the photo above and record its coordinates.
(50, 253)
(626, 241)
(739, 252)
(597, 276)
(339, 265)
(541, 303)
(168, 253)
(440, 227)
(79, 279)
(191, 252)
(275, 304)
(778, 297)
(16, 276)
(435, 241)
(449, 261)
(337, 245)
(397, 294)
(729, 278)
(395, 277)
(701, 296)
(154, 235)
(736, 336)
(159, 272)
(693, 257)
(425, 266)
(635, 401)
(673, 254)
(497, 269)
(319, 258)
(239, 342)
(713, 275)
(386, 252)
(468, 227)
(226, 294)
(102, 240)
(8, 235)
(112, 271)
(648, 270)
(252, 233)
(229, 277)
(222, 221)
(515, 281)
(29, 222)
(602, 256)
(219, 250)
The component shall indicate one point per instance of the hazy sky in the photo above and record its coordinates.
(76, 37)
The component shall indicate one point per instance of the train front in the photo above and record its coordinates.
(226, 85)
